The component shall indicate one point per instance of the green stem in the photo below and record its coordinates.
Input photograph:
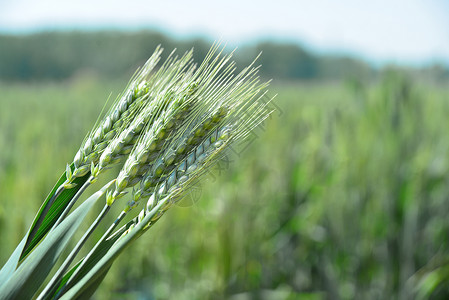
(56, 279)
(78, 270)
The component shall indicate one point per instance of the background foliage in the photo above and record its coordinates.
(61, 55)
(343, 194)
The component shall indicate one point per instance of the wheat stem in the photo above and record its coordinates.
(57, 277)
(86, 258)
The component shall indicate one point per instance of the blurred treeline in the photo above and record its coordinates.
(60, 55)
(342, 194)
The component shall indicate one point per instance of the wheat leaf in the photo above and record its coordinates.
(49, 212)
(106, 261)
(92, 286)
(11, 265)
(99, 252)
(32, 272)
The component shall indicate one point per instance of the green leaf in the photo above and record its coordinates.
(92, 286)
(11, 265)
(64, 279)
(27, 279)
(49, 212)
(93, 259)
(106, 261)
(99, 252)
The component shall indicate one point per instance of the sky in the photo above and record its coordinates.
(382, 31)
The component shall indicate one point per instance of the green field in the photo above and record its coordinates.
(342, 194)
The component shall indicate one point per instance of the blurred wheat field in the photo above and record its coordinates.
(343, 194)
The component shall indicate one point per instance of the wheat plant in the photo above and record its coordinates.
(170, 125)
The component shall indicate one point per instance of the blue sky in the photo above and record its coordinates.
(400, 31)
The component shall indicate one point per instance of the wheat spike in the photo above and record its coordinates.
(118, 117)
(232, 110)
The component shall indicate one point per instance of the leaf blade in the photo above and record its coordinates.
(32, 272)
(11, 265)
(49, 212)
(106, 261)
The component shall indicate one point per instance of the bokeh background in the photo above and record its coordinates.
(342, 194)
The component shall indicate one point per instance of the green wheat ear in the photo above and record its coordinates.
(226, 110)
(118, 117)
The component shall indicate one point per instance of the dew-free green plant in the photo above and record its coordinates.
(170, 125)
